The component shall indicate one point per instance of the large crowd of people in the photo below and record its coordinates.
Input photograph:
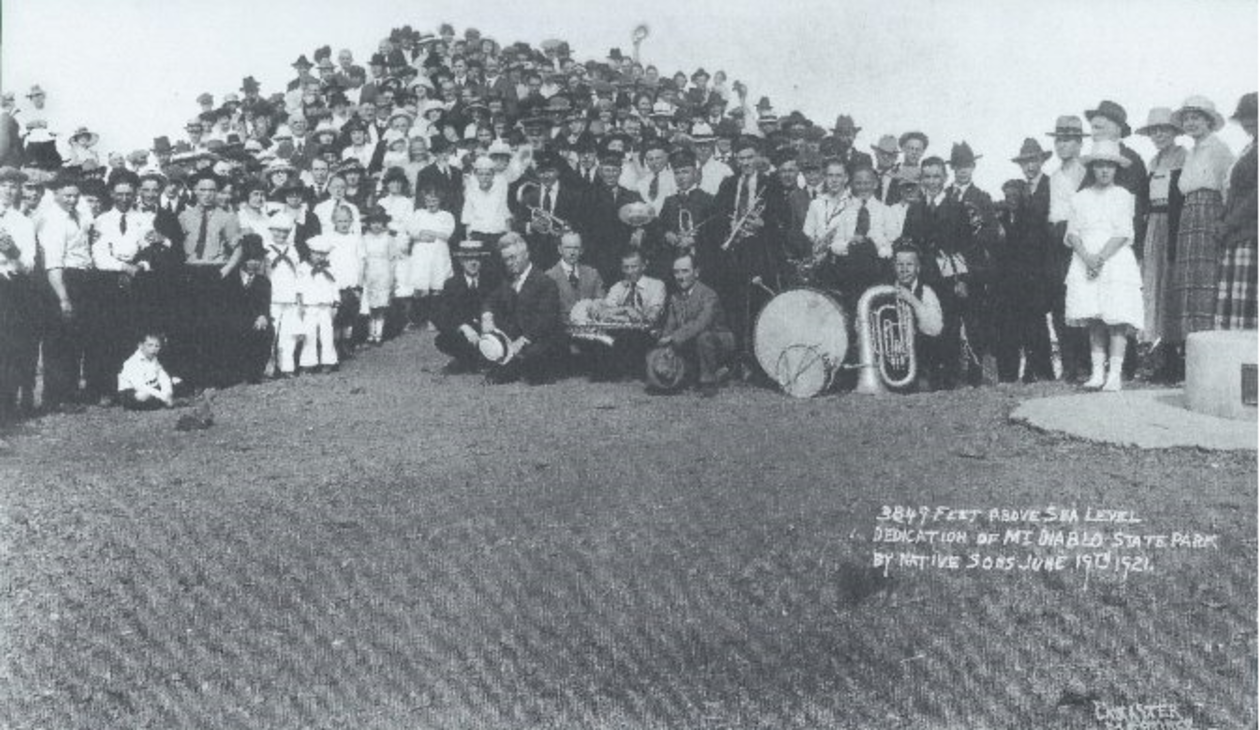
(547, 216)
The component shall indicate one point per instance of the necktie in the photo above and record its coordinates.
(573, 278)
(813, 193)
(122, 223)
(472, 285)
(201, 236)
(655, 188)
(632, 298)
(863, 221)
(742, 204)
(956, 194)
(547, 200)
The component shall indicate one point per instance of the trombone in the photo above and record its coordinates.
(742, 227)
(540, 220)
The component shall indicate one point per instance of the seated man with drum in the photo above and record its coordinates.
(928, 320)
(694, 330)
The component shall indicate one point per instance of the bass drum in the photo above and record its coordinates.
(800, 340)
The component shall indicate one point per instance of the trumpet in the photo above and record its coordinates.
(540, 220)
(742, 227)
(885, 341)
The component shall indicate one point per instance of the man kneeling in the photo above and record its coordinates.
(525, 309)
(695, 328)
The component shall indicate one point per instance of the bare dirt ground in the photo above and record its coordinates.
(390, 547)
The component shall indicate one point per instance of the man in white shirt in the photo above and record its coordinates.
(929, 321)
(63, 238)
(636, 298)
(657, 183)
(486, 216)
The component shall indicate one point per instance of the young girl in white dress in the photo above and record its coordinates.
(1104, 283)
(383, 253)
(429, 230)
(346, 255)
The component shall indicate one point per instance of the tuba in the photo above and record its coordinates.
(885, 331)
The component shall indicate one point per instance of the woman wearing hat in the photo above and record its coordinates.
(1104, 285)
(1161, 225)
(1236, 295)
(1203, 178)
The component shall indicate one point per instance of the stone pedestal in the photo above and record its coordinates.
(1214, 373)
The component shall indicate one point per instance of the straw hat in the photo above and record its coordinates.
(1160, 117)
(1200, 104)
(495, 347)
(1105, 151)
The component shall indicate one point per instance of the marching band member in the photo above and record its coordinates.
(928, 318)
(684, 212)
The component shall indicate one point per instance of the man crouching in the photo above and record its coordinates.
(695, 330)
(523, 315)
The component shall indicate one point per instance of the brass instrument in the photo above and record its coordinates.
(686, 229)
(540, 220)
(743, 227)
(885, 331)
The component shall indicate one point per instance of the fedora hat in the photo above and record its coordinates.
(1031, 150)
(302, 62)
(1105, 151)
(887, 144)
(495, 347)
(162, 145)
(844, 123)
(1159, 117)
(962, 156)
(1068, 126)
(666, 370)
(1114, 112)
(249, 83)
(1204, 106)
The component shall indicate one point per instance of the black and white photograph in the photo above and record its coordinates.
(654, 365)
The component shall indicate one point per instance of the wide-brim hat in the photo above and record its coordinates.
(249, 83)
(962, 156)
(637, 214)
(280, 165)
(499, 147)
(665, 369)
(1114, 112)
(844, 123)
(1031, 150)
(1204, 106)
(887, 144)
(93, 137)
(1105, 150)
(1161, 117)
(293, 186)
(495, 347)
(12, 175)
(1068, 126)
(302, 62)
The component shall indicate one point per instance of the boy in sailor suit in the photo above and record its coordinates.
(319, 295)
(282, 269)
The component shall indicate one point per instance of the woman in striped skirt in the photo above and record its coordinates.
(1203, 178)
(1161, 227)
(1236, 295)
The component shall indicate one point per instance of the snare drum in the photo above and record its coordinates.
(800, 340)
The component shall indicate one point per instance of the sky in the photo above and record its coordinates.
(990, 72)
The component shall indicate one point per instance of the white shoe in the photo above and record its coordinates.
(1113, 383)
(1095, 381)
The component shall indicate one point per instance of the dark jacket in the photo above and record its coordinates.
(460, 305)
(534, 313)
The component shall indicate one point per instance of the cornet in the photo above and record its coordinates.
(744, 226)
(539, 219)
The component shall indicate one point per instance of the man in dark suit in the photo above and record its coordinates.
(886, 152)
(699, 209)
(755, 251)
(941, 227)
(499, 86)
(845, 132)
(797, 244)
(248, 333)
(604, 234)
(526, 308)
(553, 196)
(1020, 288)
(459, 308)
(443, 176)
(962, 161)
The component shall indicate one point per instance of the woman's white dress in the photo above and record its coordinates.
(430, 263)
(1115, 295)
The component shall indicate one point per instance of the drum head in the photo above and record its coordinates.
(800, 339)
